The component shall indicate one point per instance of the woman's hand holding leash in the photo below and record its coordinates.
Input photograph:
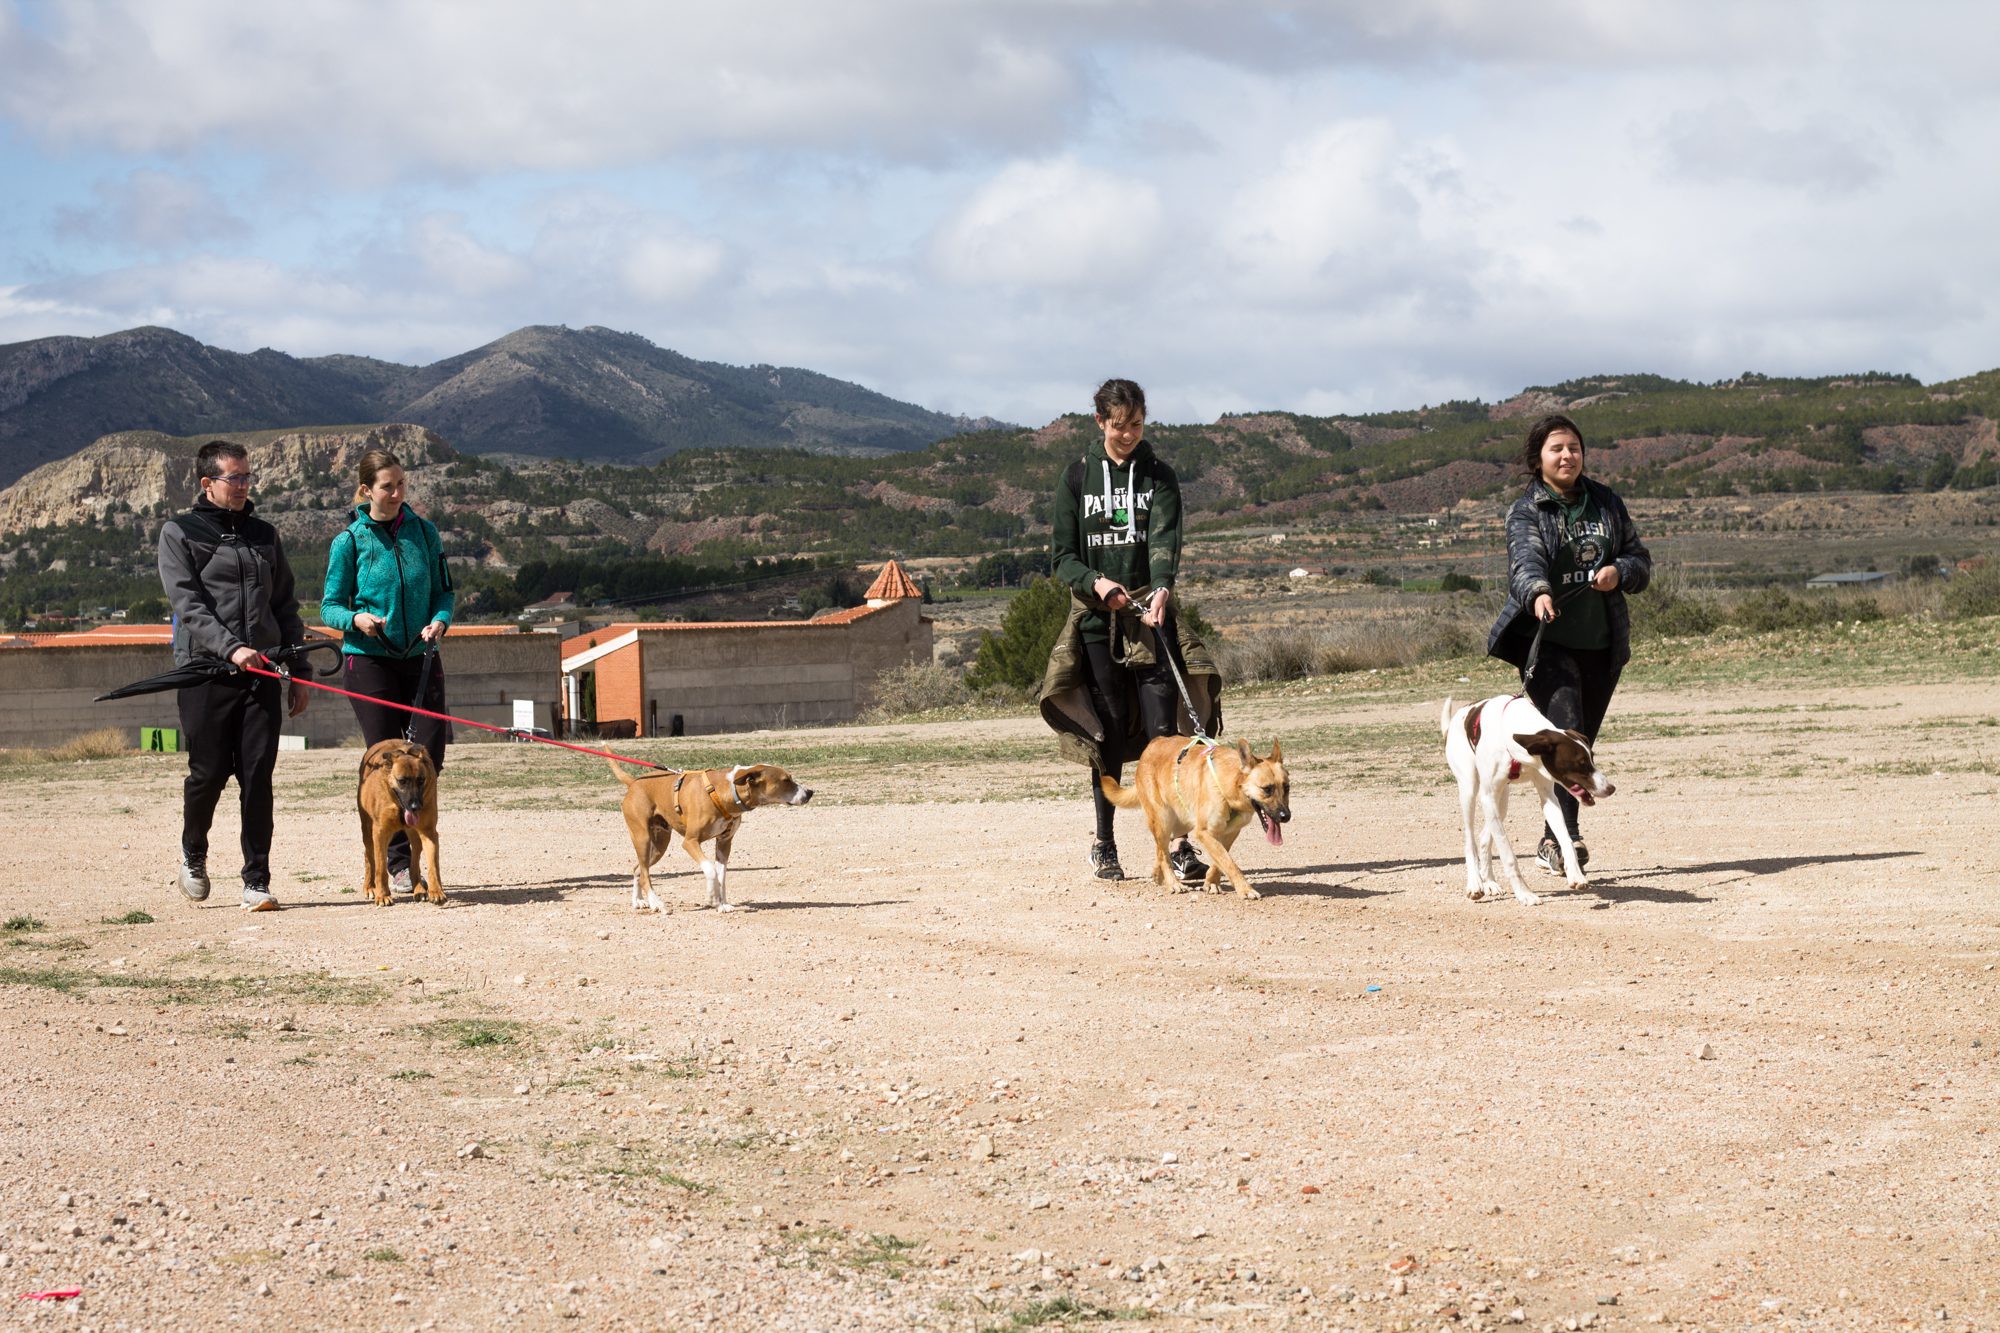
(1605, 579)
(1112, 594)
(1545, 608)
(1156, 610)
(367, 624)
(433, 631)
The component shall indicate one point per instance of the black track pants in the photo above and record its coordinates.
(1573, 687)
(396, 679)
(1112, 690)
(229, 728)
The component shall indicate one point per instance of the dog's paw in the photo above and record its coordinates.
(726, 907)
(1248, 893)
(1526, 899)
(1479, 892)
(1578, 883)
(653, 904)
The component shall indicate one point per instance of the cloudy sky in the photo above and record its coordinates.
(986, 206)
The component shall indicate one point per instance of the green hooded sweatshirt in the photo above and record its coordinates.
(395, 570)
(1120, 521)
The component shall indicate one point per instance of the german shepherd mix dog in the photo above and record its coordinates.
(1208, 793)
(700, 806)
(398, 794)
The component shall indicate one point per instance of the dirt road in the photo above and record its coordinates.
(937, 1077)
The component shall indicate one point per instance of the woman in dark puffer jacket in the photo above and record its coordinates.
(1572, 556)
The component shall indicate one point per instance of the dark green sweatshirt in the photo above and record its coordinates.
(1116, 521)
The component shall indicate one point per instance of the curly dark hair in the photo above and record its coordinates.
(1538, 435)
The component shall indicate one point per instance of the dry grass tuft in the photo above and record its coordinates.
(1374, 643)
(104, 743)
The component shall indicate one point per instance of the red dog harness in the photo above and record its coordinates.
(1472, 731)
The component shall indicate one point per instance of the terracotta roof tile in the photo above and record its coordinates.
(892, 584)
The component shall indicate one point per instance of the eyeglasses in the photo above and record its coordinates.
(233, 478)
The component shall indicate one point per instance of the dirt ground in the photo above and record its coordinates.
(936, 1077)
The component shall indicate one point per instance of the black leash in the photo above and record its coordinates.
(423, 687)
(1535, 648)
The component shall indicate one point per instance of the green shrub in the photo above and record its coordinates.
(1453, 581)
(1976, 592)
(1774, 610)
(1674, 607)
(1017, 656)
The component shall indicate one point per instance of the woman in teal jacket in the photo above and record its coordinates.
(388, 590)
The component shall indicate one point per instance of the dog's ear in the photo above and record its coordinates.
(1277, 751)
(378, 759)
(1243, 753)
(747, 780)
(1578, 736)
(1539, 742)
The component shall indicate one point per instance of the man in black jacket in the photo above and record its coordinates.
(225, 575)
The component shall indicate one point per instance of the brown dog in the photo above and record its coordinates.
(398, 794)
(699, 806)
(1207, 793)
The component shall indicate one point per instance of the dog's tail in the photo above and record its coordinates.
(623, 776)
(1444, 718)
(1125, 798)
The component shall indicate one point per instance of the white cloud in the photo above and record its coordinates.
(1729, 142)
(458, 263)
(1054, 224)
(989, 205)
(163, 212)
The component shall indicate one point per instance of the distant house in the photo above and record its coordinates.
(554, 604)
(1873, 578)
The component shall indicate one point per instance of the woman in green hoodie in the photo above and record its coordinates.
(388, 590)
(1116, 542)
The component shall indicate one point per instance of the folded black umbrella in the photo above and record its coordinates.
(200, 671)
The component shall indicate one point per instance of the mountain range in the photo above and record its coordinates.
(544, 391)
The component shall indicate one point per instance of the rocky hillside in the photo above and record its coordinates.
(545, 392)
(987, 492)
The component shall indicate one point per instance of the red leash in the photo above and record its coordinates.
(514, 732)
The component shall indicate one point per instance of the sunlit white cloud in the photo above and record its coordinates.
(1057, 224)
(986, 207)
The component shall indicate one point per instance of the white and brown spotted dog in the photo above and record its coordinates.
(698, 806)
(1499, 741)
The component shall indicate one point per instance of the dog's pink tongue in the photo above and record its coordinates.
(410, 817)
(1272, 833)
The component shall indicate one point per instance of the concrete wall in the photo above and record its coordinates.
(726, 678)
(47, 692)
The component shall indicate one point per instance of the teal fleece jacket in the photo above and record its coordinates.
(1118, 520)
(395, 570)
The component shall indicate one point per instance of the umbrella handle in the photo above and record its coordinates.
(298, 652)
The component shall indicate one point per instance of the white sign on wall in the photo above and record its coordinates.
(524, 714)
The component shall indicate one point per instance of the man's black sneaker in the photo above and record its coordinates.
(1188, 866)
(1104, 861)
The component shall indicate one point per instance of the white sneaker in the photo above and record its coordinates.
(257, 898)
(406, 881)
(193, 879)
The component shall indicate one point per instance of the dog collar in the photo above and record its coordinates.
(708, 781)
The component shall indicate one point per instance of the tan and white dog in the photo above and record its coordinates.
(1501, 740)
(703, 805)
